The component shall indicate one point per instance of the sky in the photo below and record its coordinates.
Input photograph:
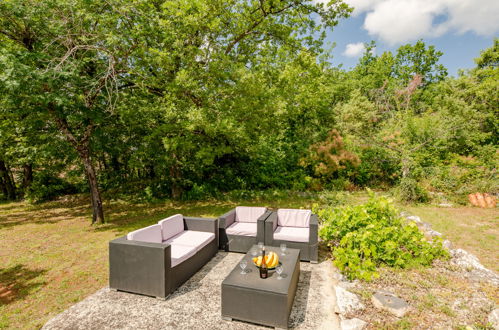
(458, 28)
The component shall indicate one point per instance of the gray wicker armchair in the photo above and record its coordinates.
(156, 260)
(296, 228)
(242, 227)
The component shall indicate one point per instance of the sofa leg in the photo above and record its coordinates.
(162, 298)
(226, 318)
(113, 289)
(314, 261)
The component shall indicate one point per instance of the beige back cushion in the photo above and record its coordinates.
(172, 226)
(249, 214)
(293, 218)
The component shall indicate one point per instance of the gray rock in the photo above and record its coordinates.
(405, 214)
(414, 218)
(353, 324)
(474, 269)
(447, 244)
(433, 233)
(493, 318)
(347, 301)
(445, 205)
(388, 301)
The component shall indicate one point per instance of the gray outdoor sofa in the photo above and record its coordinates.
(156, 260)
(296, 228)
(242, 227)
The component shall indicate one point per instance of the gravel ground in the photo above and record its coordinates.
(196, 304)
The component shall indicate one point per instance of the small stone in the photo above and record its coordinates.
(447, 244)
(434, 233)
(414, 218)
(347, 301)
(445, 205)
(391, 303)
(494, 318)
(353, 324)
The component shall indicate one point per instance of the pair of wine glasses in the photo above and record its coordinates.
(254, 252)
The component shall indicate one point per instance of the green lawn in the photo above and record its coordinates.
(51, 257)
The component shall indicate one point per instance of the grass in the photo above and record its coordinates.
(52, 258)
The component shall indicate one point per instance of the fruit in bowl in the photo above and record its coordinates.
(271, 259)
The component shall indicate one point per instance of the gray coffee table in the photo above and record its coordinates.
(263, 301)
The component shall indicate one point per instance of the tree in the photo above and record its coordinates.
(67, 69)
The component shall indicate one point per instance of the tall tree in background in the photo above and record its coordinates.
(62, 60)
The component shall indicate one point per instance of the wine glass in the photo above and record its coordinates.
(260, 245)
(254, 252)
(283, 249)
(279, 269)
(243, 265)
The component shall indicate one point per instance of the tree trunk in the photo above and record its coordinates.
(4, 188)
(82, 146)
(8, 183)
(27, 176)
(98, 211)
(176, 189)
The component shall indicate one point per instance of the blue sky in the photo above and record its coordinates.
(458, 28)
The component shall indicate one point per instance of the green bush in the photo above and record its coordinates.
(364, 237)
(410, 191)
(47, 187)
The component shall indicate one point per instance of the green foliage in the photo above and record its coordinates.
(410, 191)
(46, 187)
(370, 235)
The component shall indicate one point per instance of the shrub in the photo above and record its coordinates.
(364, 237)
(47, 187)
(410, 191)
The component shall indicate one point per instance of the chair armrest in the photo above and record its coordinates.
(270, 226)
(260, 226)
(314, 229)
(227, 219)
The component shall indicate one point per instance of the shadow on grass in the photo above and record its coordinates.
(17, 282)
(124, 216)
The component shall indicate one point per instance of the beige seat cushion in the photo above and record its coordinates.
(180, 253)
(292, 234)
(242, 229)
(248, 213)
(192, 238)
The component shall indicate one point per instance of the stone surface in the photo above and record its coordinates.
(388, 301)
(196, 304)
(470, 263)
(494, 318)
(347, 301)
(353, 324)
(414, 218)
(447, 244)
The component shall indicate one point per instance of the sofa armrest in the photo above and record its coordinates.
(202, 224)
(227, 219)
(140, 267)
(260, 226)
(270, 226)
(314, 229)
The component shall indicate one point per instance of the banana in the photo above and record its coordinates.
(272, 260)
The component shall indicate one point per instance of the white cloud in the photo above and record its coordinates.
(354, 50)
(400, 21)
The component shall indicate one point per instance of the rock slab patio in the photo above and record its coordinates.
(196, 304)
